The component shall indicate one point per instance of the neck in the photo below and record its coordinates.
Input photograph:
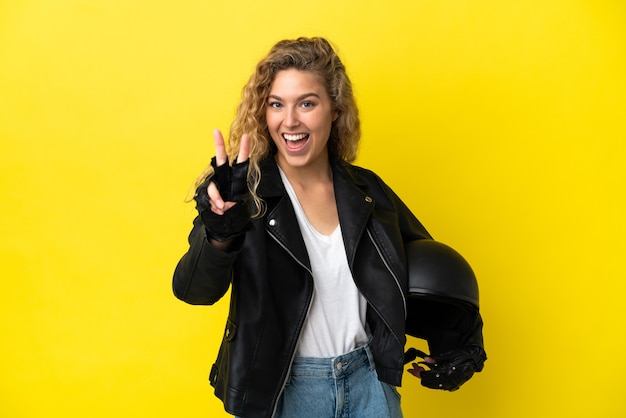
(321, 171)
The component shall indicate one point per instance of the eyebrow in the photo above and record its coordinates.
(301, 97)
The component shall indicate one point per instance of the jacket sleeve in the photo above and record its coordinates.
(204, 273)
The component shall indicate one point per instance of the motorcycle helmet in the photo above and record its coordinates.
(442, 299)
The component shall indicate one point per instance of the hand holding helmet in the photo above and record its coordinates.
(449, 370)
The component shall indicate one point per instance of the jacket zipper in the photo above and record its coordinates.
(380, 254)
(308, 310)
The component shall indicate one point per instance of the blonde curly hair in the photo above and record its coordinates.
(315, 55)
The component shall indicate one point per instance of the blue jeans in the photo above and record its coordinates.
(339, 387)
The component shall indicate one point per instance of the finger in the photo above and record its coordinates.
(227, 206)
(220, 148)
(416, 370)
(430, 360)
(215, 198)
(244, 148)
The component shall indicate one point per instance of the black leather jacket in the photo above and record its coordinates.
(272, 285)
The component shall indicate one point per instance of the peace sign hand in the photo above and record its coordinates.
(222, 199)
(228, 185)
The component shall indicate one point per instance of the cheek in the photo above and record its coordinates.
(272, 119)
(324, 123)
(272, 126)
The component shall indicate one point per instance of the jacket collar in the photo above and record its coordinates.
(271, 184)
(353, 205)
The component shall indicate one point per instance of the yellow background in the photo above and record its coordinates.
(500, 123)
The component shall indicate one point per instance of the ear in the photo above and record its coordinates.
(335, 115)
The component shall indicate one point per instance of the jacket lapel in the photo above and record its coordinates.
(354, 206)
(280, 220)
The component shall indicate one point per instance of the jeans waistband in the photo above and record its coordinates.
(333, 367)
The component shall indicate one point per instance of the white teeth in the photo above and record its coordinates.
(294, 137)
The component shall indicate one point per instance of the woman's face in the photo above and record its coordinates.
(299, 116)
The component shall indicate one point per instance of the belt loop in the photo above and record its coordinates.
(370, 357)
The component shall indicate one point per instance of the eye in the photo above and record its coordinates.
(307, 104)
(275, 105)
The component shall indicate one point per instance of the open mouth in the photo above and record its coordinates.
(295, 142)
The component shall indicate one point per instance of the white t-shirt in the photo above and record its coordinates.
(336, 321)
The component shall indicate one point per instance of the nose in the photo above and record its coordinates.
(291, 118)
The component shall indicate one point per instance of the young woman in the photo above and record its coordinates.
(312, 247)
